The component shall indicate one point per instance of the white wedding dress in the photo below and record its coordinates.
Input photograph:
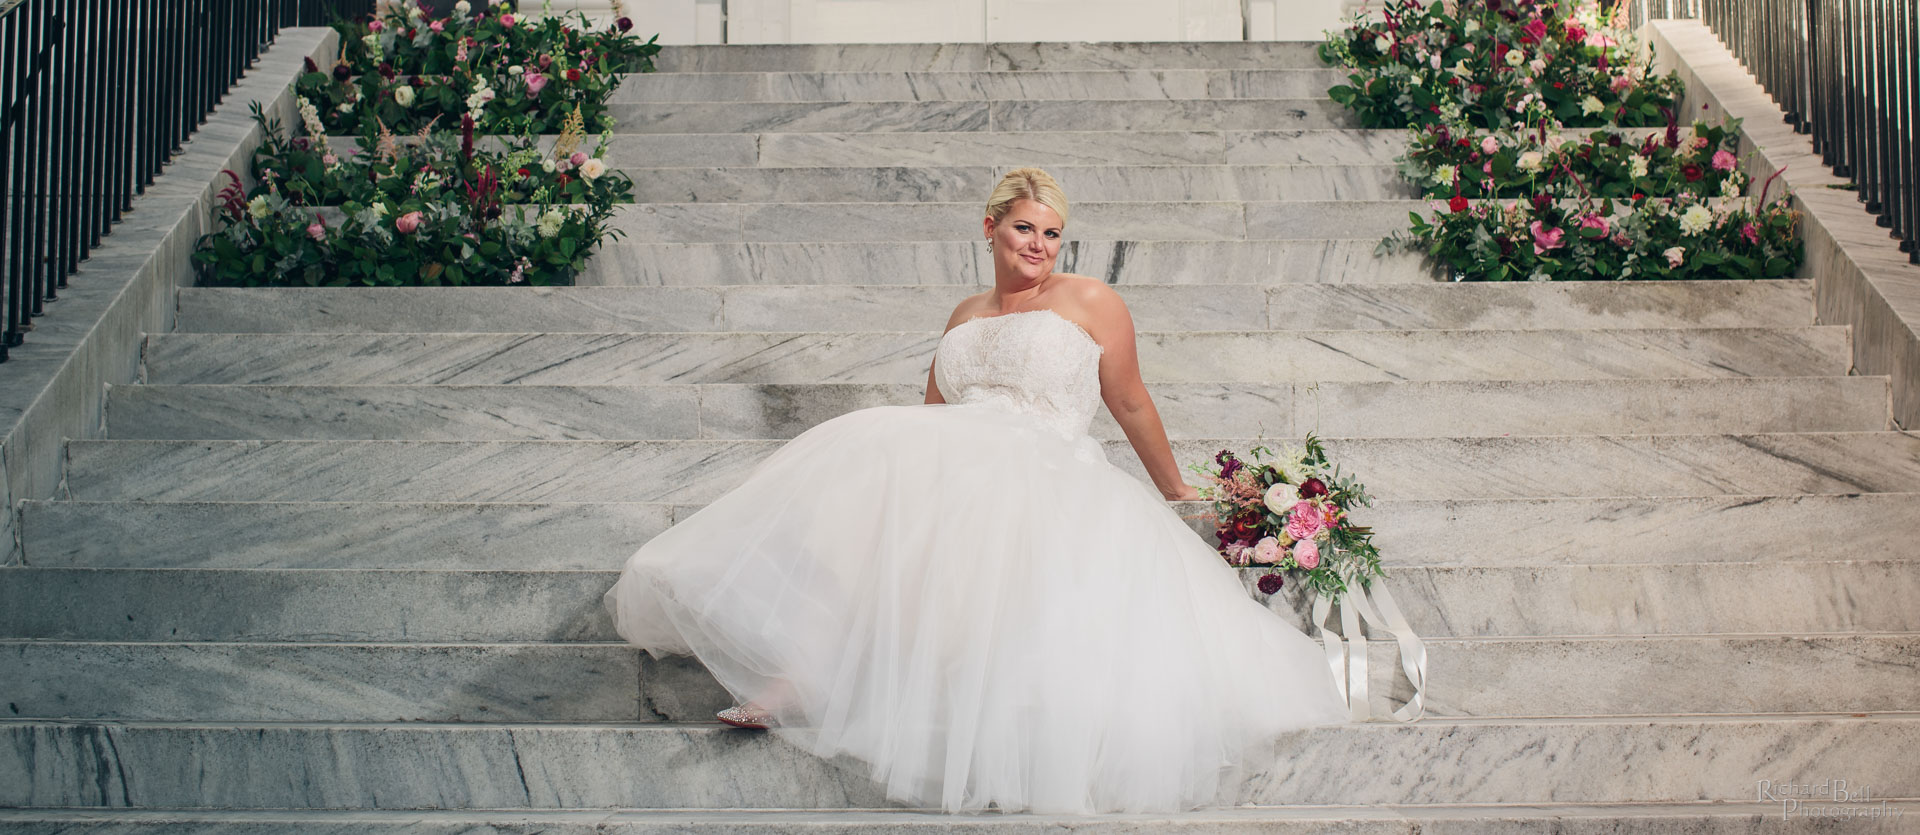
(970, 599)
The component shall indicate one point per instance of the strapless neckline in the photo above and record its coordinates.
(1056, 314)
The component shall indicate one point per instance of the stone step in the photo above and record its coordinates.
(1305, 113)
(1346, 261)
(894, 222)
(721, 411)
(359, 534)
(977, 85)
(993, 57)
(516, 606)
(606, 682)
(1641, 466)
(961, 184)
(870, 307)
(519, 766)
(1878, 817)
(904, 357)
(1075, 145)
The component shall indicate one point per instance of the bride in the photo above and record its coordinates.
(965, 594)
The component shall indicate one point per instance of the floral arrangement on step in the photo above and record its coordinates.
(1543, 239)
(409, 65)
(1606, 162)
(407, 225)
(1493, 63)
(1291, 513)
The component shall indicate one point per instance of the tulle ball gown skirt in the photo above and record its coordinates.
(984, 612)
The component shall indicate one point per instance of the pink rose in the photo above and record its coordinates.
(1305, 520)
(579, 158)
(1267, 550)
(317, 230)
(438, 26)
(1593, 221)
(376, 26)
(1723, 160)
(1699, 142)
(535, 83)
(1306, 552)
(408, 222)
(1238, 553)
(1596, 38)
(507, 20)
(1545, 239)
(1489, 145)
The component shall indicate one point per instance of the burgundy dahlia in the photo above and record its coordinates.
(1312, 488)
(625, 24)
(1271, 583)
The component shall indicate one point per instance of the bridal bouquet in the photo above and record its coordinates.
(1291, 513)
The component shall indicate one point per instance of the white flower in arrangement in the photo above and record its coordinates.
(592, 169)
(1675, 256)
(1444, 174)
(1530, 161)
(516, 69)
(550, 223)
(1539, 276)
(1383, 43)
(403, 95)
(415, 13)
(462, 7)
(1281, 497)
(379, 209)
(1515, 57)
(1695, 219)
(1729, 188)
(547, 165)
(1472, 26)
(1554, 142)
(1459, 69)
(1433, 60)
(1591, 105)
(479, 98)
(259, 207)
(345, 107)
(1538, 65)
(1637, 165)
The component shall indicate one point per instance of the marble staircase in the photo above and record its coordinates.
(337, 565)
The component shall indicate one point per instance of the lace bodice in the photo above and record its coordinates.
(1036, 362)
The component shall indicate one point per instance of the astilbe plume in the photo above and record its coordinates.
(388, 148)
(572, 131)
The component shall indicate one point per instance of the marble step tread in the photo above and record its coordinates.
(977, 85)
(749, 412)
(622, 765)
(358, 534)
(1878, 817)
(985, 57)
(870, 307)
(1076, 145)
(950, 184)
(609, 682)
(927, 222)
(516, 605)
(904, 357)
(940, 263)
(691, 471)
(1303, 113)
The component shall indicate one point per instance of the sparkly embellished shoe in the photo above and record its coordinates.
(745, 717)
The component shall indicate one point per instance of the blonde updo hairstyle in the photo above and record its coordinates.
(1027, 184)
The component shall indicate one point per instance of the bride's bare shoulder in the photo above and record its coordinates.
(1094, 299)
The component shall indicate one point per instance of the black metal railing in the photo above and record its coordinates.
(1843, 72)
(95, 96)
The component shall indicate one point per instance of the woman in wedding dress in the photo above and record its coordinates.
(965, 594)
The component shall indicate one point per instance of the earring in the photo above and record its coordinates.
(989, 244)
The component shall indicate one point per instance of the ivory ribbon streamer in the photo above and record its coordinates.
(1348, 659)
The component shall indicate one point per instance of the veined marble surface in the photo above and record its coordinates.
(962, 184)
(1113, 85)
(748, 411)
(963, 262)
(896, 357)
(1681, 530)
(456, 605)
(974, 57)
(306, 766)
(697, 471)
(850, 308)
(946, 116)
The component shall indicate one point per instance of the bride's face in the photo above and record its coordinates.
(1026, 241)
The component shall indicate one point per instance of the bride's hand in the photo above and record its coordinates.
(1184, 493)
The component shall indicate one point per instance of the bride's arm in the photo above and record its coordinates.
(1126, 394)
(954, 318)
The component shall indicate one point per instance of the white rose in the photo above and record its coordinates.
(1675, 256)
(1472, 26)
(1591, 105)
(1281, 497)
(1383, 43)
(1555, 141)
(1530, 161)
(1515, 57)
(548, 165)
(592, 169)
(516, 69)
(462, 7)
(403, 95)
(1695, 220)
